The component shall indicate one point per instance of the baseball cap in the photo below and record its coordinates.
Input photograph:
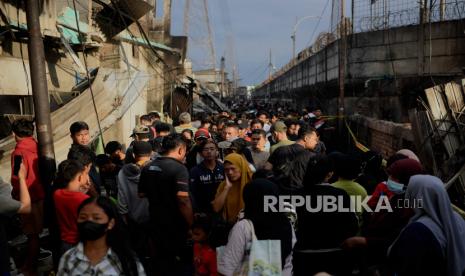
(279, 126)
(140, 129)
(185, 117)
(202, 133)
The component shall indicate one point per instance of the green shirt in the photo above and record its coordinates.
(281, 144)
(352, 189)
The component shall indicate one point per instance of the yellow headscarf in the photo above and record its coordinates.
(234, 202)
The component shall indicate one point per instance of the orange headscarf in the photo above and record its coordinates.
(234, 202)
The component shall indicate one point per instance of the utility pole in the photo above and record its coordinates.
(222, 78)
(293, 39)
(294, 31)
(40, 93)
(342, 63)
(442, 9)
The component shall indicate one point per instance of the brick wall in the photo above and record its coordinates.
(384, 143)
(383, 136)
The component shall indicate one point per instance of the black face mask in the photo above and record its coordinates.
(91, 231)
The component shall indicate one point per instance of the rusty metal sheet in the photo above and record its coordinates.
(454, 96)
(441, 118)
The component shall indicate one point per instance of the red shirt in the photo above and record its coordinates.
(66, 206)
(380, 190)
(27, 149)
(204, 260)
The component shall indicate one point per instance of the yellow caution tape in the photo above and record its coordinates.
(359, 145)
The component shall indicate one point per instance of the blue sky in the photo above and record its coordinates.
(257, 27)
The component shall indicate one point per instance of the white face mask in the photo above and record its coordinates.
(394, 186)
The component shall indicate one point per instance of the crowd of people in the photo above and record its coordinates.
(163, 204)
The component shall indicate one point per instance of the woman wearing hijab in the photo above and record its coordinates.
(228, 199)
(410, 154)
(267, 226)
(433, 243)
(383, 226)
(382, 189)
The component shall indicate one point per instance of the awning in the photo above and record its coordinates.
(117, 16)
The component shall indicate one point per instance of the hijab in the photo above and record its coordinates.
(404, 169)
(234, 202)
(437, 214)
(410, 154)
(267, 225)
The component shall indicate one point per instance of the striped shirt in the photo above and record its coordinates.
(75, 262)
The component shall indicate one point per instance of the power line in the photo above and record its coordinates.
(255, 70)
(141, 30)
(318, 23)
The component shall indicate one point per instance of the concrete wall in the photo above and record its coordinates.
(398, 52)
(61, 70)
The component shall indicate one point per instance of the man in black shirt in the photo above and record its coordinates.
(206, 177)
(165, 183)
(289, 163)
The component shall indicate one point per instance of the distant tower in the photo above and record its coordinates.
(198, 29)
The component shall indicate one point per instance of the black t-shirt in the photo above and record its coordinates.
(191, 158)
(162, 181)
(203, 186)
(319, 229)
(289, 166)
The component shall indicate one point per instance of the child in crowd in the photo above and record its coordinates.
(103, 249)
(67, 200)
(108, 173)
(204, 255)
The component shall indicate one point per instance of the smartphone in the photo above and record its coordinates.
(18, 159)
